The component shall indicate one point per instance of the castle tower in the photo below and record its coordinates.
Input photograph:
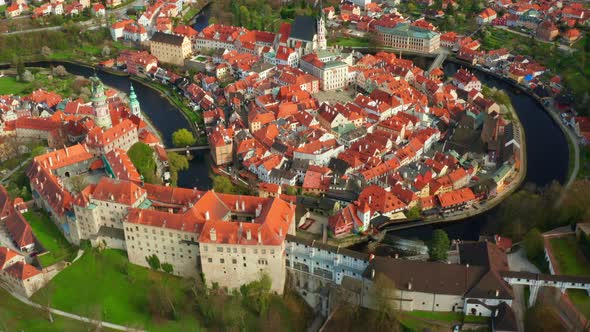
(133, 103)
(321, 29)
(102, 116)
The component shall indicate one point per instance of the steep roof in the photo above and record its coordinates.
(304, 28)
(167, 38)
(22, 270)
(19, 229)
(6, 254)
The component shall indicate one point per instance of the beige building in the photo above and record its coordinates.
(330, 70)
(18, 276)
(100, 210)
(169, 48)
(406, 37)
(231, 239)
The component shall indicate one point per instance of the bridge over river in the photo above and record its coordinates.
(189, 148)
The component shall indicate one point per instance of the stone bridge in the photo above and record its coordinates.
(537, 280)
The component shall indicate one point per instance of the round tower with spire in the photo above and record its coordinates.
(321, 28)
(102, 116)
(134, 103)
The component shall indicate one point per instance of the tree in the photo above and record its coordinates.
(142, 157)
(106, 51)
(542, 318)
(153, 261)
(183, 137)
(534, 244)
(223, 184)
(178, 163)
(383, 295)
(167, 267)
(45, 51)
(78, 183)
(257, 294)
(37, 151)
(27, 76)
(439, 245)
(60, 71)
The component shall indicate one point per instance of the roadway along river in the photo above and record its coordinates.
(547, 149)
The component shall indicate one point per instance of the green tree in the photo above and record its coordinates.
(533, 244)
(177, 163)
(37, 151)
(223, 184)
(153, 261)
(167, 267)
(439, 245)
(183, 137)
(142, 157)
(383, 295)
(542, 318)
(257, 294)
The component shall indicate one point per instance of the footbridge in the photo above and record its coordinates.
(443, 53)
(189, 148)
(536, 280)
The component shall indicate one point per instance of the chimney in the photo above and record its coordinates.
(281, 234)
(370, 199)
(497, 292)
(206, 215)
(237, 206)
(259, 236)
(371, 257)
(50, 162)
(396, 256)
(258, 210)
(372, 273)
(213, 234)
(243, 205)
(410, 286)
(248, 235)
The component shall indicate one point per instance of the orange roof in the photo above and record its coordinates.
(6, 254)
(118, 191)
(22, 270)
(456, 197)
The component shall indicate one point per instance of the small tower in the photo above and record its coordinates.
(133, 103)
(102, 116)
(321, 29)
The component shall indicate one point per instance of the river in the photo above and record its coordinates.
(547, 158)
(547, 149)
(163, 115)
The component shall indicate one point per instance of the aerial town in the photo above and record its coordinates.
(294, 165)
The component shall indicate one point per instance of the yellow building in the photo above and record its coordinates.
(169, 48)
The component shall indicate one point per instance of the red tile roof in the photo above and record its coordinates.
(19, 229)
(22, 271)
(6, 255)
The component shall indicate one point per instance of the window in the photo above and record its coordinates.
(234, 261)
(219, 249)
(228, 249)
(210, 260)
(222, 261)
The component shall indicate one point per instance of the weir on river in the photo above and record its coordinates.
(547, 149)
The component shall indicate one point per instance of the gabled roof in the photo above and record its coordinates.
(19, 229)
(304, 28)
(22, 270)
(6, 255)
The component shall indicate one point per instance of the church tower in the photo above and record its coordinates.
(321, 29)
(133, 103)
(102, 116)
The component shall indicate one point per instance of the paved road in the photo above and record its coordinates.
(9, 174)
(72, 316)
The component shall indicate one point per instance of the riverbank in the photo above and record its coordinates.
(570, 137)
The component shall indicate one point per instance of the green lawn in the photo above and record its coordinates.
(572, 261)
(61, 86)
(9, 85)
(350, 42)
(105, 284)
(16, 316)
(50, 237)
(449, 317)
(118, 290)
